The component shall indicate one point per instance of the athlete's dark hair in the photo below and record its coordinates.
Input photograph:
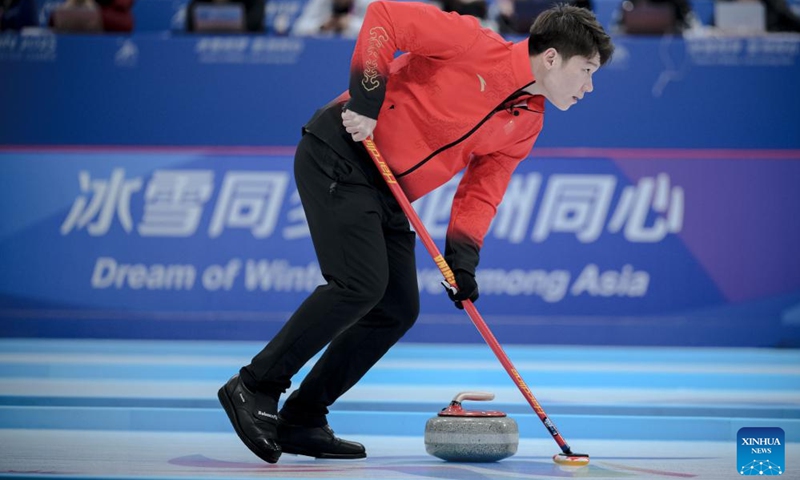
(571, 31)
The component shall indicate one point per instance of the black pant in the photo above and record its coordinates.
(365, 249)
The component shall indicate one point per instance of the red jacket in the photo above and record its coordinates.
(443, 106)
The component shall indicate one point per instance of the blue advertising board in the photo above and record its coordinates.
(669, 247)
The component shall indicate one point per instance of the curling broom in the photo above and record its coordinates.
(567, 456)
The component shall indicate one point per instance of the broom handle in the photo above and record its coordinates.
(469, 307)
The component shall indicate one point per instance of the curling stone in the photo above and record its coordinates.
(459, 435)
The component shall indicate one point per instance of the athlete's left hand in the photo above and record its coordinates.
(358, 126)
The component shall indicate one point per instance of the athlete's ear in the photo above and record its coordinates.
(551, 57)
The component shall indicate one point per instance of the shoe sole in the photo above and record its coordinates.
(227, 405)
(291, 449)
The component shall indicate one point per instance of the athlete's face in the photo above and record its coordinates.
(568, 81)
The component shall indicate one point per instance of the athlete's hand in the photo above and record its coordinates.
(467, 288)
(358, 126)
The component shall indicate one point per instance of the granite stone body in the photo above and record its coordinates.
(471, 438)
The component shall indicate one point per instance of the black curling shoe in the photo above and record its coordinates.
(318, 442)
(254, 417)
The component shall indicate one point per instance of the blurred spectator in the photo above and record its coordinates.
(654, 17)
(331, 17)
(779, 16)
(74, 16)
(253, 13)
(93, 16)
(117, 15)
(17, 14)
(517, 16)
(476, 8)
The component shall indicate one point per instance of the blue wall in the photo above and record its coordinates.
(700, 137)
(240, 90)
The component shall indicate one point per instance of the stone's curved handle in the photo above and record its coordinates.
(456, 410)
(479, 396)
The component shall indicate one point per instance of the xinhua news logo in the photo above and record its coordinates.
(760, 451)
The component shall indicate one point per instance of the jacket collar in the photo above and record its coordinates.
(523, 75)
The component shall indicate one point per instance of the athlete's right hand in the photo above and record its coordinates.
(467, 288)
(358, 126)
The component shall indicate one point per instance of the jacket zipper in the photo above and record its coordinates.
(463, 137)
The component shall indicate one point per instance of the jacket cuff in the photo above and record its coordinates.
(367, 107)
(461, 255)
